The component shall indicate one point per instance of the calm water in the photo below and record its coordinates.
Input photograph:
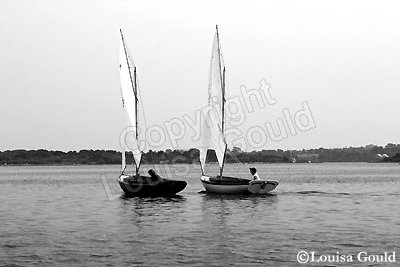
(64, 216)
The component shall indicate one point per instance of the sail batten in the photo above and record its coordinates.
(129, 95)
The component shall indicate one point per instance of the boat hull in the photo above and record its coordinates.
(147, 186)
(237, 186)
(226, 185)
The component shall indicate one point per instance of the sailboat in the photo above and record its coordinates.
(213, 135)
(138, 185)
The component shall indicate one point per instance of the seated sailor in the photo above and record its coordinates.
(154, 175)
(253, 172)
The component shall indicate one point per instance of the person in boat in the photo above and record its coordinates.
(253, 172)
(154, 175)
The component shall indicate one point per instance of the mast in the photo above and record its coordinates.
(136, 114)
(134, 83)
(222, 75)
(223, 122)
(223, 102)
(136, 103)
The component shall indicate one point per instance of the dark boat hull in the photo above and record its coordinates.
(148, 187)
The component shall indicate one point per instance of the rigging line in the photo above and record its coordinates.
(234, 157)
(143, 115)
(137, 91)
(129, 55)
(141, 105)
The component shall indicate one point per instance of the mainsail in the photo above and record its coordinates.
(130, 100)
(205, 144)
(213, 136)
(123, 165)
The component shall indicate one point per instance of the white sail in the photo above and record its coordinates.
(123, 163)
(129, 100)
(219, 145)
(202, 158)
(213, 138)
(205, 143)
(215, 86)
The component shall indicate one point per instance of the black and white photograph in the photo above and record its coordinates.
(199, 133)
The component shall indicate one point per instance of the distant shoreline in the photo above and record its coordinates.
(42, 157)
(211, 163)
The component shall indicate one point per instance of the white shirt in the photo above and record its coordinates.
(256, 177)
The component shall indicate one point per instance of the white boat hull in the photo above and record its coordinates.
(237, 186)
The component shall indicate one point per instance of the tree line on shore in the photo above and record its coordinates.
(369, 153)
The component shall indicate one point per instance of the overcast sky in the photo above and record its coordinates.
(59, 79)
